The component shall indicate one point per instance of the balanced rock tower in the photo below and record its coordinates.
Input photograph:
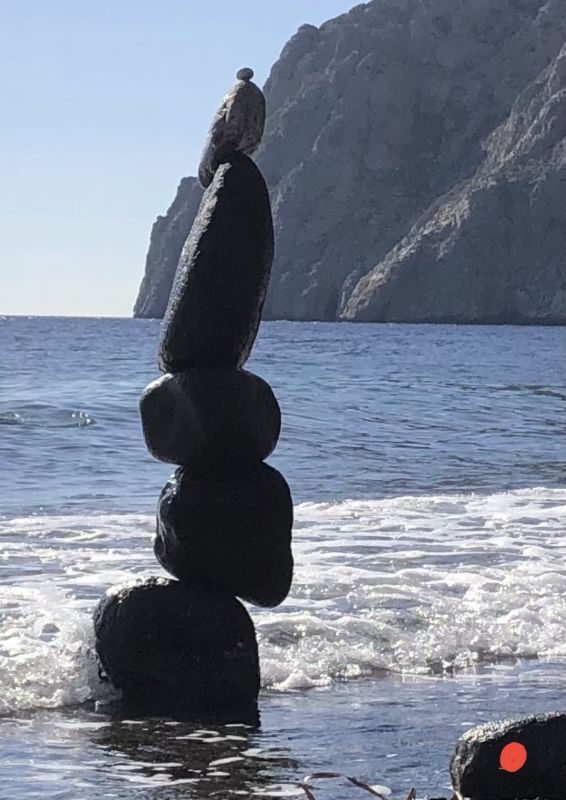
(187, 647)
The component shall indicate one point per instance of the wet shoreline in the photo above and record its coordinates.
(395, 731)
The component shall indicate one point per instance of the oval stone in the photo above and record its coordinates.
(232, 532)
(219, 290)
(484, 768)
(208, 416)
(245, 74)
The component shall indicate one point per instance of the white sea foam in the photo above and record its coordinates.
(414, 584)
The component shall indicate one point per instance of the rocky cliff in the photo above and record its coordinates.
(415, 155)
(167, 239)
(493, 249)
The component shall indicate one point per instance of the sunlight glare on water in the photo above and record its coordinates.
(426, 465)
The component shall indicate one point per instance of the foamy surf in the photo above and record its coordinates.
(42, 416)
(425, 584)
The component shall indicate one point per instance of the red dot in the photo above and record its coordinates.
(513, 757)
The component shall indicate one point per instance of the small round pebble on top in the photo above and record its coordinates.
(245, 74)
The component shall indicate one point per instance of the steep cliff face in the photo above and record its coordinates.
(375, 120)
(167, 239)
(493, 249)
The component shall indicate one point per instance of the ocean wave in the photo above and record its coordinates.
(420, 585)
(38, 416)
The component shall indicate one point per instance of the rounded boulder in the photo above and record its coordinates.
(179, 651)
(231, 532)
(207, 416)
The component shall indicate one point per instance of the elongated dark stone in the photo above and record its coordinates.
(520, 760)
(231, 533)
(179, 651)
(237, 126)
(215, 306)
(209, 416)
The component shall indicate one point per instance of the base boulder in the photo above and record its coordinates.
(182, 652)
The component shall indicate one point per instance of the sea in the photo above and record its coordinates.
(427, 466)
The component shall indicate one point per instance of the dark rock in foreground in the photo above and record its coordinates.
(181, 652)
(219, 290)
(210, 416)
(476, 768)
(231, 532)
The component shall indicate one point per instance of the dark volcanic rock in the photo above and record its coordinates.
(215, 306)
(373, 119)
(237, 126)
(209, 416)
(231, 532)
(179, 651)
(476, 765)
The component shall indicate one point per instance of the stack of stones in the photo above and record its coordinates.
(187, 647)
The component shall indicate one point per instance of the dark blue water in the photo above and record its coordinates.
(427, 469)
(368, 410)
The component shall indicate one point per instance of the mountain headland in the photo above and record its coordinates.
(426, 177)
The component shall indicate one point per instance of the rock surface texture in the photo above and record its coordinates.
(215, 307)
(187, 648)
(237, 126)
(493, 249)
(215, 416)
(230, 531)
(179, 651)
(425, 181)
(521, 760)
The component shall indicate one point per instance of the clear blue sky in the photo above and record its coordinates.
(105, 107)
